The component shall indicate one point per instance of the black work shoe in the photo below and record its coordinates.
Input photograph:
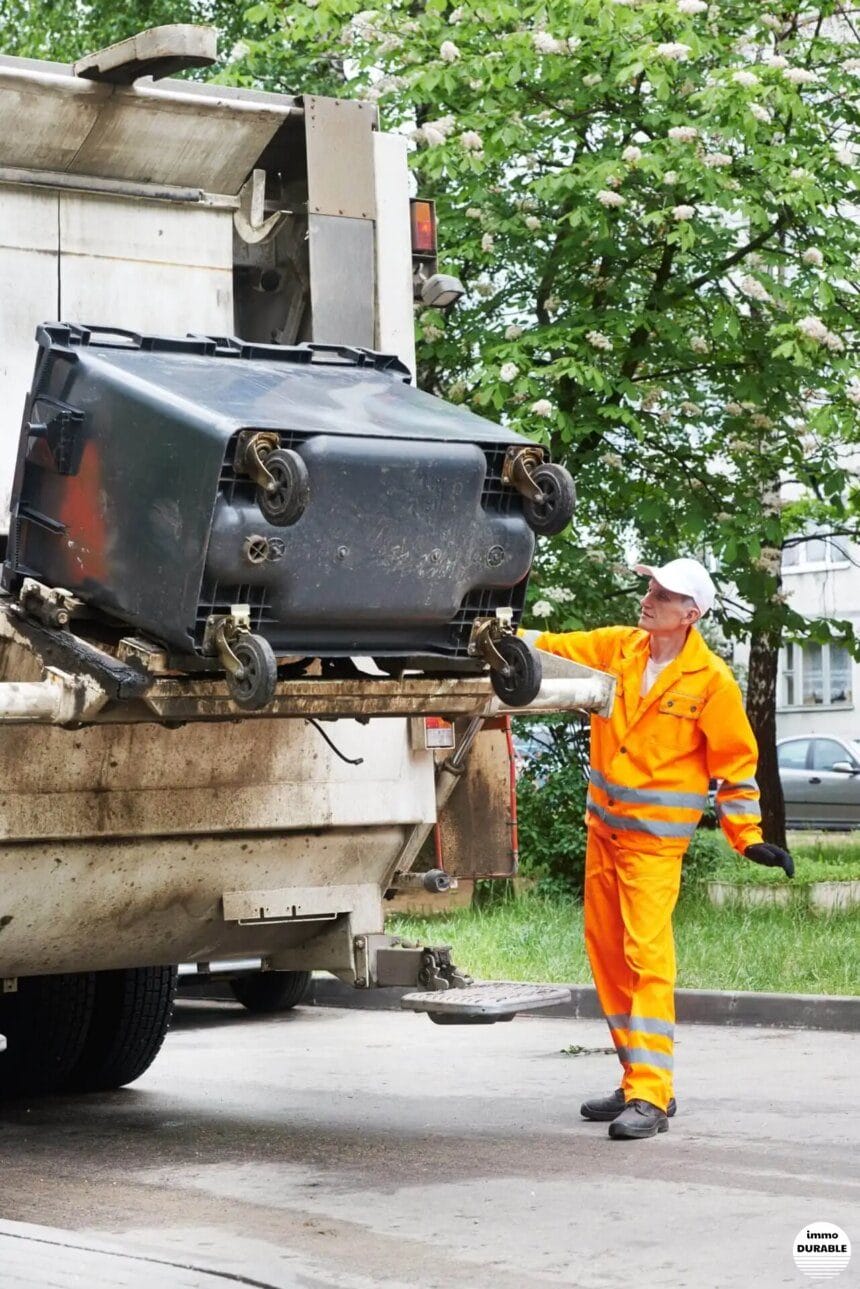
(638, 1119)
(604, 1109)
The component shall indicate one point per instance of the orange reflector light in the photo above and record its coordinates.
(438, 732)
(422, 217)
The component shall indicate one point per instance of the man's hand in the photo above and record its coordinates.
(771, 857)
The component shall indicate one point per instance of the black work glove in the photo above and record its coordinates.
(771, 856)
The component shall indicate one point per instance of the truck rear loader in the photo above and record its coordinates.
(171, 792)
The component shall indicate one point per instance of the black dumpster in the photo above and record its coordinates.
(206, 491)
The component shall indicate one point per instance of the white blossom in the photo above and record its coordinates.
(598, 340)
(484, 288)
(532, 223)
(680, 213)
(444, 126)
(608, 198)
(852, 391)
(573, 43)
(747, 79)
(592, 79)
(240, 50)
(457, 391)
(553, 305)
(717, 159)
(542, 407)
(429, 135)
(448, 51)
(544, 43)
(513, 332)
(800, 75)
(632, 154)
(691, 7)
(775, 60)
(690, 409)
(670, 177)
(432, 332)
(761, 422)
(845, 157)
(559, 594)
(734, 409)
(474, 212)
(456, 15)
(813, 256)
(683, 133)
(771, 20)
(541, 608)
(799, 173)
(851, 65)
(699, 345)
(814, 329)
(674, 50)
(754, 290)
(471, 141)
(760, 113)
(487, 242)
(508, 372)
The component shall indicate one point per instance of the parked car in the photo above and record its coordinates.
(820, 776)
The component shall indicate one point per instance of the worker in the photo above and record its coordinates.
(677, 722)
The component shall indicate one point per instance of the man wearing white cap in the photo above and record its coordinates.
(678, 721)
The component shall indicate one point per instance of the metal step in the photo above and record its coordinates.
(484, 1004)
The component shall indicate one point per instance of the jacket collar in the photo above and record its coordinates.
(693, 657)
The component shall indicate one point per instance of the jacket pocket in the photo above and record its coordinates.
(677, 722)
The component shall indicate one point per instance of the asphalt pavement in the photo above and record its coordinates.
(348, 1149)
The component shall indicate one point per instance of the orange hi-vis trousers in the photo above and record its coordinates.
(629, 898)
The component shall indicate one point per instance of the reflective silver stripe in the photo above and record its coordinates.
(726, 786)
(643, 1056)
(650, 796)
(739, 806)
(653, 827)
(644, 1024)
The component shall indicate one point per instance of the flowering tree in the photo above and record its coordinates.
(652, 204)
(654, 207)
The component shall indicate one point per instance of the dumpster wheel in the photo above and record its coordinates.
(284, 499)
(520, 685)
(253, 685)
(554, 511)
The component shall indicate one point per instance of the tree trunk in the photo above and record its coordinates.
(761, 709)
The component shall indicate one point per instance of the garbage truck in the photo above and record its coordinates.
(260, 593)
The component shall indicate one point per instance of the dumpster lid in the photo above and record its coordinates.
(307, 388)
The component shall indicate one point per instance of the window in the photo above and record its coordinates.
(792, 755)
(816, 550)
(826, 752)
(814, 675)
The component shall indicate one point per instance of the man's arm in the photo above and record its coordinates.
(590, 648)
(732, 757)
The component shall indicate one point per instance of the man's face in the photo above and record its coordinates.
(664, 610)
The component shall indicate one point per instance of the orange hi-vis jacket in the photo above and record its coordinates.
(652, 759)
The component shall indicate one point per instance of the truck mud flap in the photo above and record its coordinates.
(484, 1004)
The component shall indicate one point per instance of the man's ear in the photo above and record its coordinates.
(694, 615)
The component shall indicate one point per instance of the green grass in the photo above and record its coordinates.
(817, 859)
(540, 939)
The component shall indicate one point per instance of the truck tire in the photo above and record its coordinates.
(131, 1014)
(46, 1022)
(271, 991)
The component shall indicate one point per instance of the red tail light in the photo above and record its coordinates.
(422, 216)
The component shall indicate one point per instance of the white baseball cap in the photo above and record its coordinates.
(684, 577)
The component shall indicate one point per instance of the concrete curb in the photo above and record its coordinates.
(692, 1006)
